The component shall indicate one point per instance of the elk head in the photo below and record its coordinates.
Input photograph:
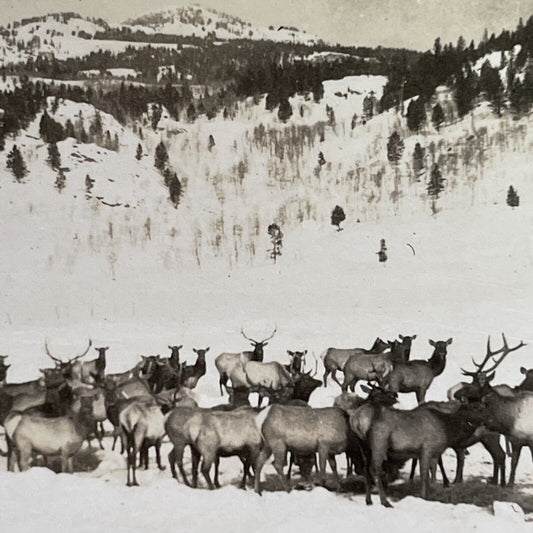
(65, 366)
(380, 346)
(101, 352)
(148, 365)
(527, 384)
(297, 363)
(483, 375)
(175, 354)
(441, 347)
(200, 353)
(380, 394)
(258, 353)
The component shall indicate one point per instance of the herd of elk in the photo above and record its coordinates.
(55, 414)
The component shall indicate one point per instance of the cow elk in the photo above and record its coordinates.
(191, 374)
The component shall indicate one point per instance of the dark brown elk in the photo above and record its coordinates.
(84, 371)
(226, 362)
(174, 358)
(191, 374)
(509, 407)
(420, 433)
(303, 431)
(416, 375)
(336, 358)
(297, 364)
(61, 436)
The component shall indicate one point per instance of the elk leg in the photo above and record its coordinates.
(291, 462)
(345, 383)
(257, 466)
(460, 465)
(195, 462)
(421, 396)
(335, 379)
(333, 465)
(377, 467)
(158, 454)
(280, 459)
(368, 481)
(325, 377)
(207, 462)
(217, 464)
(413, 469)
(246, 468)
(491, 443)
(445, 480)
(517, 450)
(223, 383)
(322, 457)
(425, 464)
(172, 463)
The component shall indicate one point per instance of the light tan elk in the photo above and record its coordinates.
(336, 358)
(511, 408)
(416, 375)
(226, 362)
(302, 431)
(61, 436)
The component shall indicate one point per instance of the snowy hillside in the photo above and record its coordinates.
(199, 21)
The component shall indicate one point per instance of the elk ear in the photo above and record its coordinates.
(290, 353)
(180, 347)
(195, 350)
(42, 371)
(366, 389)
(265, 343)
(523, 370)
(207, 349)
(401, 337)
(449, 341)
(431, 342)
(413, 337)
(169, 347)
(305, 352)
(490, 376)
(7, 366)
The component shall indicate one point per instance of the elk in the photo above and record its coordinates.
(336, 358)
(191, 374)
(84, 371)
(226, 362)
(141, 423)
(175, 355)
(417, 376)
(3, 370)
(297, 364)
(421, 432)
(61, 436)
(509, 407)
(302, 431)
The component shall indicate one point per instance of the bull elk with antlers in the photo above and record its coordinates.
(511, 410)
(226, 362)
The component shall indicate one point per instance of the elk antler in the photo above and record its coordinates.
(56, 359)
(81, 355)
(273, 333)
(260, 342)
(480, 367)
(248, 338)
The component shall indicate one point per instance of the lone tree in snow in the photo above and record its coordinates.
(395, 147)
(16, 164)
(174, 189)
(60, 180)
(513, 200)
(156, 116)
(210, 143)
(54, 158)
(139, 153)
(436, 181)
(161, 156)
(321, 159)
(418, 161)
(337, 216)
(382, 254)
(276, 237)
(89, 183)
(437, 116)
(50, 130)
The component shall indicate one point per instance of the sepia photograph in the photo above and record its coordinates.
(267, 266)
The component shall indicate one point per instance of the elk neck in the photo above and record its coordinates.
(437, 363)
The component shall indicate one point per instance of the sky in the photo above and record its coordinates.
(407, 23)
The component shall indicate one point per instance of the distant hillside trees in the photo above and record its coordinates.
(337, 216)
(416, 114)
(16, 164)
(50, 130)
(418, 161)
(285, 110)
(466, 90)
(276, 238)
(437, 116)
(174, 189)
(54, 157)
(395, 148)
(161, 156)
(139, 152)
(491, 84)
(436, 181)
(513, 200)
(89, 184)
(60, 180)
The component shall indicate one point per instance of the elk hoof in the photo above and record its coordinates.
(388, 504)
(162, 467)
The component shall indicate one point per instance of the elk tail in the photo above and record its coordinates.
(11, 422)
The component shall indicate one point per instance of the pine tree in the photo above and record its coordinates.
(116, 143)
(418, 161)
(54, 157)
(382, 254)
(161, 156)
(96, 128)
(321, 159)
(55, 105)
(89, 184)
(491, 84)
(139, 153)
(513, 200)
(436, 181)
(50, 130)
(285, 110)
(191, 113)
(156, 115)
(276, 238)
(210, 143)
(174, 189)
(395, 148)
(69, 129)
(337, 216)
(16, 164)
(83, 135)
(437, 116)
(416, 114)
(60, 180)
